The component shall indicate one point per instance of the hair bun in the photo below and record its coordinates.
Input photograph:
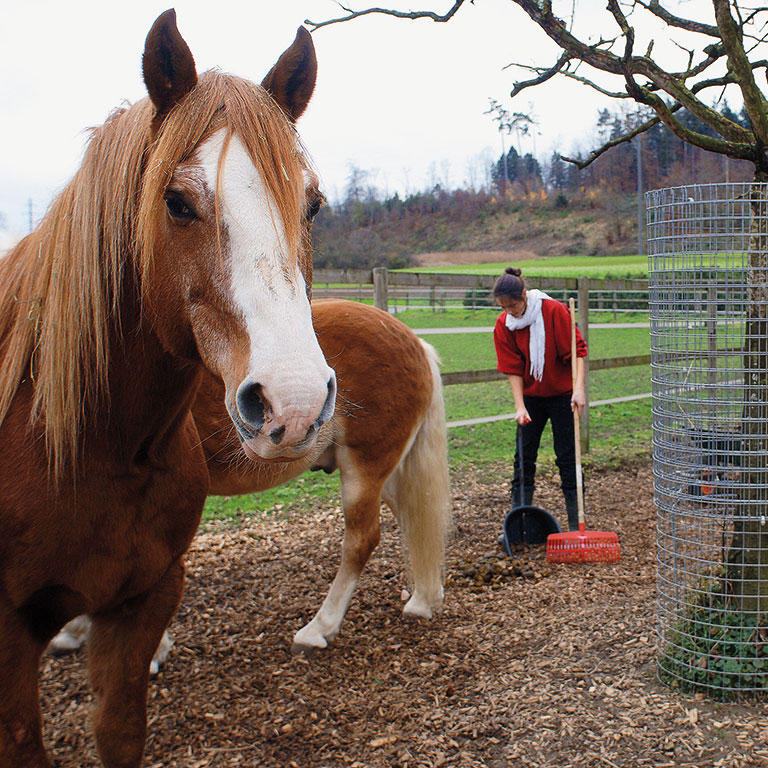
(510, 284)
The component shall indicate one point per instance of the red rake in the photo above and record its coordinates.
(581, 546)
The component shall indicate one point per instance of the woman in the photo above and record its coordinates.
(533, 348)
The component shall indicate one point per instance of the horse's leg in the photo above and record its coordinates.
(120, 649)
(418, 492)
(21, 738)
(361, 501)
(162, 652)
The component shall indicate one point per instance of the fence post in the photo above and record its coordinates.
(583, 302)
(381, 288)
(712, 339)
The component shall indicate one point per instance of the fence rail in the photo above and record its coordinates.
(432, 290)
(491, 374)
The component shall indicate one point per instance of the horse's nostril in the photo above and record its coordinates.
(251, 404)
(276, 435)
(330, 403)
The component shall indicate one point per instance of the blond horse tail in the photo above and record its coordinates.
(419, 493)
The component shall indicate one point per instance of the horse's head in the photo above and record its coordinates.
(227, 203)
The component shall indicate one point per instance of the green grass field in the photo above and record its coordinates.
(557, 266)
(618, 433)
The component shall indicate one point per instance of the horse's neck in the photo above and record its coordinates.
(150, 391)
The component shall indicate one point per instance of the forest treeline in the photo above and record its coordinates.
(367, 228)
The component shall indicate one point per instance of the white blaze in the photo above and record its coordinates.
(268, 289)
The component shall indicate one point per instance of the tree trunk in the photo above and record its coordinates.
(748, 553)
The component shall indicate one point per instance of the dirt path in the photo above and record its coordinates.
(453, 258)
(528, 664)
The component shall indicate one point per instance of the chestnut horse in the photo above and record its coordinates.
(177, 249)
(388, 440)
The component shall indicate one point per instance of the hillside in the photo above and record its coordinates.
(533, 232)
(473, 228)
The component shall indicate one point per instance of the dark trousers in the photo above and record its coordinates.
(556, 409)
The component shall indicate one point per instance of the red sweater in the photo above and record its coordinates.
(514, 358)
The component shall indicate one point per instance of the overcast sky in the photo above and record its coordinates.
(401, 99)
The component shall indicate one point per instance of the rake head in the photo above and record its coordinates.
(583, 547)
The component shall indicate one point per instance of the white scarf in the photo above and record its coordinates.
(532, 317)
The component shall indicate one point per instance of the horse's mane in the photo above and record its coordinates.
(60, 288)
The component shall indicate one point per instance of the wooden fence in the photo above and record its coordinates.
(382, 285)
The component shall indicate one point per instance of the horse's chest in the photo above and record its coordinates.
(112, 536)
(150, 526)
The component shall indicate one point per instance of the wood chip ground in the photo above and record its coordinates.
(528, 664)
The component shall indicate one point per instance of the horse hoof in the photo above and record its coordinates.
(63, 644)
(61, 649)
(416, 609)
(309, 640)
(300, 649)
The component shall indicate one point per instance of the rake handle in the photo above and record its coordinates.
(576, 419)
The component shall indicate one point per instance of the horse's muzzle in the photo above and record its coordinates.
(281, 427)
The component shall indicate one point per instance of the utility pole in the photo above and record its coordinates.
(639, 146)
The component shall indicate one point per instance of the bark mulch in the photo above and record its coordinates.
(529, 664)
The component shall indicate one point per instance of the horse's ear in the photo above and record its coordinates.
(169, 69)
(292, 80)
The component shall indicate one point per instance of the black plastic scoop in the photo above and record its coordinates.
(527, 524)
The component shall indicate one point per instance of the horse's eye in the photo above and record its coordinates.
(178, 207)
(314, 208)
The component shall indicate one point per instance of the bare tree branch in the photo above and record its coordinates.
(623, 139)
(643, 127)
(754, 101)
(629, 66)
(680, 92)
(544, 74)
(645, 80)
(523, 84)
(675, 21)
(388, 12)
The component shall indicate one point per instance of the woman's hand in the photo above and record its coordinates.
(521, 412)
(578, 400)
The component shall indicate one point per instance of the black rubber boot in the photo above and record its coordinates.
(528, 495)
(527, 499)
(572, 508)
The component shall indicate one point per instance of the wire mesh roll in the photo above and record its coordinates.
(708, 295)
